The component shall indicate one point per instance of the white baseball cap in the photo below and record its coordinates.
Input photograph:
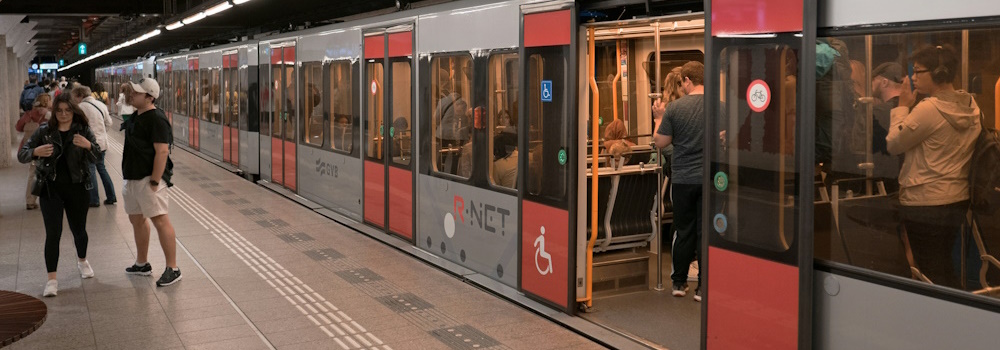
(147, 86)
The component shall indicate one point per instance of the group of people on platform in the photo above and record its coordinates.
(65, 141)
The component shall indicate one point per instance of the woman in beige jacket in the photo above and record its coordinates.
(937, 138)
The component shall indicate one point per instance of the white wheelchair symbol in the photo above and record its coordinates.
(546, 94)
(540, 251)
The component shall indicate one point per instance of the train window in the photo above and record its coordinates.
(374, 109)
(902, 112)
(548, 136)
(402, 96)
(194, 89)
(312, 104)
(341, 106)
(451, 119)
(182, 88)
(231, 89)
(289, 99)
(503, 72)
(212, 101)
(203, 103)
(277, 103)
(758, 155)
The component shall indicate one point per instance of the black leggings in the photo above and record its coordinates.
(75, 201)
(933, 232)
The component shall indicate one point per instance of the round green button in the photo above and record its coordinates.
(562, 157)
(721, 181)
(392, 131)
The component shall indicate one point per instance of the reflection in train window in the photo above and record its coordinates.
(757, 208)
(312, 106)
(288, 102)
(213, 107)
(193, 92)
(895, 192)
(341, 106)
(451, 119)
(374, 108)
(231, 89)
(277, 102)
(548, 135)
(182, 88)
(402, 96)
(503, 88)
(266, 104)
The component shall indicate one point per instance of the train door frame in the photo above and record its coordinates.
(193, 118)
(283, 149)
(397, 182)
(231, 124)
(784, 279)
(548, 28)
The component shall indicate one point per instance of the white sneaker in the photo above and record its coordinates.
(693, 271)
(51, 287)
(85, 270)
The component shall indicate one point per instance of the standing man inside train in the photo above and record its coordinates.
(146, 168)
(683, 125)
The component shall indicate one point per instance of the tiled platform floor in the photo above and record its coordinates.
(259, 272)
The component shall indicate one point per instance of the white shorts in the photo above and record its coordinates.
(140, 198)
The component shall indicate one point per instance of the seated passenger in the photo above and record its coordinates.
(937, 138)
(505, 160)
(400, 138)
(615, 142)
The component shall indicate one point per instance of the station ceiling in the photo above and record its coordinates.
(62, 24)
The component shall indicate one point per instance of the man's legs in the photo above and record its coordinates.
(140, 228)
(109, 187)
(165, 231)
(686, 242)
(95, 199)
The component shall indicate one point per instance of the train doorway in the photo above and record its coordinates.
(388, 169)
(282, 92)
(231, 109)
(194, 112)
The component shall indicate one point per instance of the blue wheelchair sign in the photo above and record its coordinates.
(546, 91)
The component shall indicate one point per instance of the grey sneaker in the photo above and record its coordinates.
(170, 276)
(144, 269)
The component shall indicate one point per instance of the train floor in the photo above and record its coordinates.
(259, 272)
(655, 316)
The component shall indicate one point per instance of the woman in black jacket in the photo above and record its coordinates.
(63, 148)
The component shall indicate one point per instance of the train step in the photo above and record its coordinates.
(617, 273)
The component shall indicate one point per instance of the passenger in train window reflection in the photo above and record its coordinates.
(887, 84)
(683, 125)
(937, 138)
(505, 159)
(401, 138)
(615, 142)
(342, 134)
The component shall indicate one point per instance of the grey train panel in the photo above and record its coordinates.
(330, 179)
(470, 226)
(264, 139)
(327, 46)
(839, 13)
(180, 128)
(210, 136)
(264, 156)
(487, 26)
(854, 314)
(249, 158)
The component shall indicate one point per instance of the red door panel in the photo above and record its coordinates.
(545, 252)
(756, 310)
(375, 193)
(401, 202)
(276, 166)
(290, 165)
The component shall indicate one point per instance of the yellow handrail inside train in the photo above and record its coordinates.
(996, 105)
(595, 150)
(617, 79)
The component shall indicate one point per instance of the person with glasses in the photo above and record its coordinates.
(937, 137)
(63, 149)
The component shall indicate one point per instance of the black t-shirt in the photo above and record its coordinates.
(62, 166)
(141, 132)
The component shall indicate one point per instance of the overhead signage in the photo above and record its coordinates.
(82, 49)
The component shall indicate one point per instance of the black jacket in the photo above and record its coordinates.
(78, 160)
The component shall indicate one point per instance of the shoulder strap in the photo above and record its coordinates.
(97, 108)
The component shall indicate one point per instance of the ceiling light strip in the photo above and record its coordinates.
(114, 48)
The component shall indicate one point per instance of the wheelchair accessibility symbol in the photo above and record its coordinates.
(546, 91)
(758, 95)
(540, 252)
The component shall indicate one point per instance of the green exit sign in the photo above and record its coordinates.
(82, 49)
(62, 62)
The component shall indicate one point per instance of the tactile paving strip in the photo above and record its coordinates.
(357, 276)
(464, 337)
(295, 237)
(404, 302)
(324, 254)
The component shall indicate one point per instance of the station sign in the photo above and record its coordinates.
(82, 49)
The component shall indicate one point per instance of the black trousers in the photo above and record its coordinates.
(74, 200)
(933, 232)
(687, 229)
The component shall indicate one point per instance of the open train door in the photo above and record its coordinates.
(548, 174)
(282, 94)
(759, 163)
(388, 169)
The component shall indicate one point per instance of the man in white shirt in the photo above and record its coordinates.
(99, 119)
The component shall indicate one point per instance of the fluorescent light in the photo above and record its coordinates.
(194, 18)
(218, 8)
(175, 25)
(239, 1)
(116, 47)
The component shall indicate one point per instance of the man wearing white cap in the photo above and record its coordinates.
(146, 168)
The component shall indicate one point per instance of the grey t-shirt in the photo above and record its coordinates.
(684, 120)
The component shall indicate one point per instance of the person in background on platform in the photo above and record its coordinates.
(937, 138)
(125, 109)
(30, 92)
(64, 147)
(100, 119)
(28, 124)
(146, 167)
(100, 94)
(683, 125)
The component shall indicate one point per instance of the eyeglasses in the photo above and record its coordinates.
(64, 110)
(918, 71)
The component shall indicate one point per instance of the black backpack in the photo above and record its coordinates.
(984, 177)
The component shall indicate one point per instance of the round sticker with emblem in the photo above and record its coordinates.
(392, 131)
(381, 128)
(720, 223)
(562, 157)
(758, 95)
(374, 87)
(721, 181)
